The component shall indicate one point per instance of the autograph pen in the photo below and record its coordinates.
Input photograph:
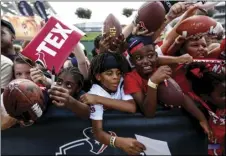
(53, 75)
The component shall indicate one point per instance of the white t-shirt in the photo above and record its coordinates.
(97, 110)
(158, 50)
(3, 111)
(6, 71)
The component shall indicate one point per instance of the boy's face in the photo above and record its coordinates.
(22, 71)
(197, 48)
(145, 60)
(110, 79)
(6, 38)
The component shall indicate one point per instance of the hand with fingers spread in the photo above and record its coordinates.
(89, 98)
(38, 77)
(59, 95)
(162, 73)
(112, 44)
(137, 30)
(129, 145)
(120, 43)
(178, 9)
(105, 43)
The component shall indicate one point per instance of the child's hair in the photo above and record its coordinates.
(20, 59)
(75, 73)
(96, 41)
(203, 80)
(99, 62)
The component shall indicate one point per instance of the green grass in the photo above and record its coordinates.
(90, 36)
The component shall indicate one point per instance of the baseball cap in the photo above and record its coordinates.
(137, 42)
(8, 25)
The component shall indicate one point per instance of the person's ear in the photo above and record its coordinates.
(97, 76)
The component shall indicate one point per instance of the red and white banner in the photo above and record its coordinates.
(53, 44)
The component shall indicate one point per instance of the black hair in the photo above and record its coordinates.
(98, 62)
(206, 82)
(94, 53)
(72, 55)
(75, 73)
(96, 41)
(9, 26)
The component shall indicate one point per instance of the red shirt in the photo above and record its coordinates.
(179, 72)
(134, 83)
(217, 124)
(179, 76)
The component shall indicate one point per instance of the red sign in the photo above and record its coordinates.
(53, 44)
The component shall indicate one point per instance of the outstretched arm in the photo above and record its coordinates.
(62, 98)
(121, 105)
(82, 61)
(129, 145)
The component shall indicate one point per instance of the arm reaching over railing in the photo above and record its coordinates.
(83, 64)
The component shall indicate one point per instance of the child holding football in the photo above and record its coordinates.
(143, 81)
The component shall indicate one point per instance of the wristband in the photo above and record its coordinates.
(152, 84)
(112, 141)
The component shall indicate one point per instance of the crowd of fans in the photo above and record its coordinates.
(127, 78)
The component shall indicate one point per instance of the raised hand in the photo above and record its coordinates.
(178, 9)
(37, 76)
(162, 73)
(59, 95)
(141, 32)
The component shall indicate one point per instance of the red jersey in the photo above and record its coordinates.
(215, 65)
(217, 124)
(179, 76)
(134, 83)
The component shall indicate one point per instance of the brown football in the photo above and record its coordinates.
(196, 25)
(151, 15)
(171, 94)
(113, 28)
(23, 100)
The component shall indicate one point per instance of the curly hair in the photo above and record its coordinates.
(206, 82)
(75, 73)
(98, 62)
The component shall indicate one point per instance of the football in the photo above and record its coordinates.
(170, 94)
(23, 100)
(151, 16)
(113, 28)
(197, 25)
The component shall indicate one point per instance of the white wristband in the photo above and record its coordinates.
(152, 84)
